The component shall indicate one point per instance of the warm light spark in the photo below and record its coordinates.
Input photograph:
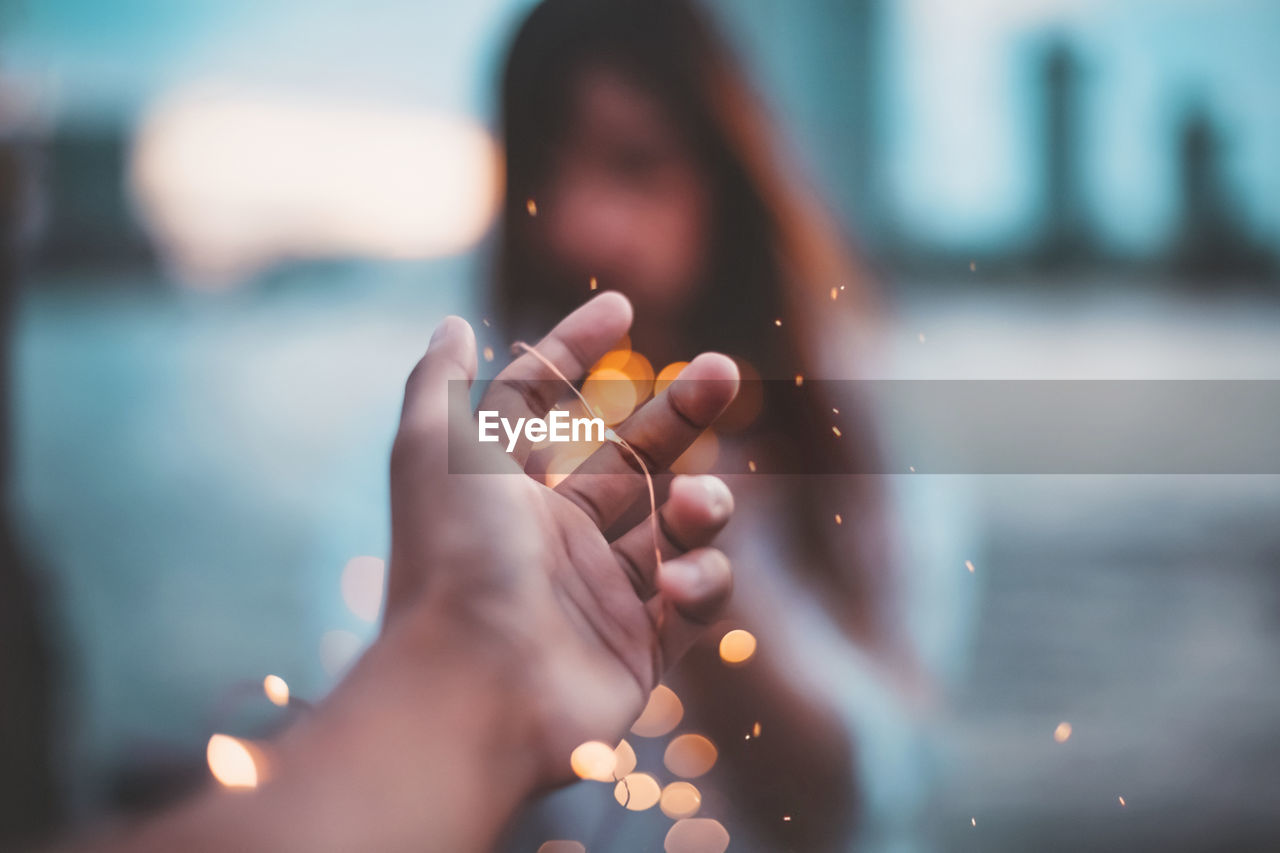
(594, 760)
(690, 756)
(836, 430)
(799, 380)
(593, 283)
(231, 762)
(786, 818)
(696, 835)
(680, 800)
(1121, 799)
(755, 730)
(661, 714)
(667, 375)
(488, 353)
(637, 791)
(968, 564)
(277, 690)
(834, 293)
(1062, 732)
(834, 410)
(562, 846)
(624, 759)
(751, 465)
(778, 322)
(973, 821)
(839, 519)
(737, 646)
(532, 207)
(911, 468)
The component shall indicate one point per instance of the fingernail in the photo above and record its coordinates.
(718, 492)
(439, 333)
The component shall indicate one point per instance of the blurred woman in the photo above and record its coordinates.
(639, 160)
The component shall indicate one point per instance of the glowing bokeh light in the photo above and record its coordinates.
(363, 579)
(638, 369)
(667, 375)
(277, 690)
(615, 358)
(662, 713)
(690, 756)
(562, 847)
(624, 759)
(593, 760)
(637, 791)
(611, 394)
(231, 762)
(1062, 732)
(680, 800)
(696, 835)
(737, 646)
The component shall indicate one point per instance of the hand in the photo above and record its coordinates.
(521, 575)
(514, 629)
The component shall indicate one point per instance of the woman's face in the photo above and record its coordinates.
(625, 201)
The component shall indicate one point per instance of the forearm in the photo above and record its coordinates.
(393, 758)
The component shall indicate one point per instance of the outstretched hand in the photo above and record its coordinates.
(516, 572)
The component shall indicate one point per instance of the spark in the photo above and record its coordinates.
(231, 761)
(593, 283)
(835, 411)
(834, 293)
(737, 646)
(839, 520)
(973, 821)
(1121, 799)
(836, 430)
(486, 322)
(778, 322)
(532, 207)
(594, 760)
(786, 818)
(488, 353)
(1062, 732)
(277, 690)
(842, 287)
(751, 465)
(755, 730)
(911, 468)
(968, 564)
(799, 380)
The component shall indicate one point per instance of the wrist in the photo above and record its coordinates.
(422, 744)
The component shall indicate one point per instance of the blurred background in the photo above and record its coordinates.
(231, 226)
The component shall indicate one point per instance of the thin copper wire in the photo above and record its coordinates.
(610, 435)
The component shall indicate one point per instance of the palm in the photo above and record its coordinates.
(591, 623)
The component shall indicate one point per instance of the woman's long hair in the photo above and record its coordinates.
(775, 256)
